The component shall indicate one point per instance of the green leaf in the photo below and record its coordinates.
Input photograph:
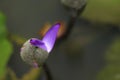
(10, 75)
(110, 72)
(5, 45)
(33, 74)
(112, 69)
(113, 53)
(3, 30)
(107, 11)
(5, 52)
(2, 18)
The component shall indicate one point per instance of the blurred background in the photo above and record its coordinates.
(91, 51)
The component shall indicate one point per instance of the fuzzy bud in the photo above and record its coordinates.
(33, 55)
(75, 4)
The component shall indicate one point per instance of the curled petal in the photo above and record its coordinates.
(50, 36)
(38, 43)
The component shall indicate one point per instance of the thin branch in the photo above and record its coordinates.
(47, 72)
(71, 23)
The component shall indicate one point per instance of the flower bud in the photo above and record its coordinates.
(75, 4)
(33, 55)
(36, 51)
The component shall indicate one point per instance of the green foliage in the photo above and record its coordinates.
(5, 45)
(3, 30)
(110, 72)
(5, 51)
(10, 75)
(33, 74)
(103, 11)
(113, 54)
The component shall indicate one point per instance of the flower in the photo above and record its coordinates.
(36, 51)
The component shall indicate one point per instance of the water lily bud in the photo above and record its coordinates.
(33, 55)
(75, 4)
(36, 51)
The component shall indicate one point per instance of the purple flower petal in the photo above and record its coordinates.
(50, 36)
(38, 43)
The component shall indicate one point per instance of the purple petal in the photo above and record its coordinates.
(38, 43)
(50, 36)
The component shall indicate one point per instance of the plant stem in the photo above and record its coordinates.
(47, 72)
(71, 23)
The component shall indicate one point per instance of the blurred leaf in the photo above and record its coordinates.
(110, 72)
(3, 30)
(5, 45)
(103, 11)
(10, 75)
(33, 74)
(113, 53)
(2, 18)
(5, 52)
